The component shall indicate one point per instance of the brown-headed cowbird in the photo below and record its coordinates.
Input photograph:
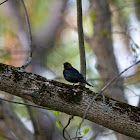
(72, 75)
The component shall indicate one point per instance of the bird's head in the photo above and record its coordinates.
(67, 65)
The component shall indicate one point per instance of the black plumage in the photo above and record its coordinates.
(72, 75)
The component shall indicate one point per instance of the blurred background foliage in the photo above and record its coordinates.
(64, 44)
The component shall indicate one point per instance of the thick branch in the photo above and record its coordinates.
(72, 100)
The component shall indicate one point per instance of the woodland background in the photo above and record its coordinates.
(111, 33)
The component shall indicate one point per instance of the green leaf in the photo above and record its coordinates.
(86, 130)
(133, 49)
(137, 46)
(57, 125)
(56, 113)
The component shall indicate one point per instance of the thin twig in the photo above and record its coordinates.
(81, 39)
(3, 2)
(70, 118)
(101, 91)
(29, 34)
(62, 127)
(15, 102)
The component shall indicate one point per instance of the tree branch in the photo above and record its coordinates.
(20, 103)
(101, 91)
(64, 129)
(81, 38)
(30, 36)
(3, 2)
(72, 100)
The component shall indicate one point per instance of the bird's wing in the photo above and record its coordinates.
(72, 75)
(75, 74)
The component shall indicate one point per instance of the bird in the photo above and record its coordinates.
(72, 75)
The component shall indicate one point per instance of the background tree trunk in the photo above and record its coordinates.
(103, 48)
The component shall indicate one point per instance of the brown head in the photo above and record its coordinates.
(67, 65)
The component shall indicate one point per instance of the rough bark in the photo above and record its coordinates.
(121, 117)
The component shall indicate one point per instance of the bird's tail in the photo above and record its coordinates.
(87, 83)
